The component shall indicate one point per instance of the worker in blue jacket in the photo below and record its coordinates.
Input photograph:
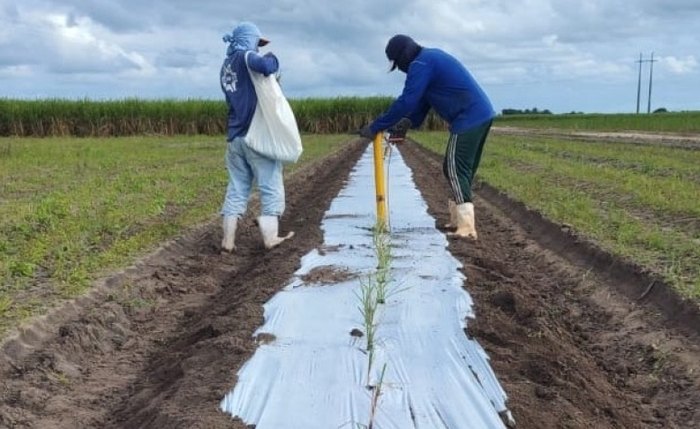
(244, 165)
(436, 79)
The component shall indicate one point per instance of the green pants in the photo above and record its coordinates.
(462, 160)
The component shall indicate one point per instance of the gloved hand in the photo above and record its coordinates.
(366, 132)
(397, 133)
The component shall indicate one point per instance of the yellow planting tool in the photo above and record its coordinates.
(379, 181)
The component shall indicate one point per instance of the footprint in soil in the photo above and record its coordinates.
(537, 371)
(509, 304)
(504, 300)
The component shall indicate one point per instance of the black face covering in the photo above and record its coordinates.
(402, 50)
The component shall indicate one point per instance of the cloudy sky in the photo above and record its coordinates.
(561, 55)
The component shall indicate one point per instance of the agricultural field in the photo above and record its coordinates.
(638, 202)
(669, 122)
(72, 209)
(580, 246)
(119, 118)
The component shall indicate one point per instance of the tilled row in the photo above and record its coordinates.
(570, 348)
(163, 345)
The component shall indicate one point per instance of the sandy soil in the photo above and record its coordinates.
(159, 344)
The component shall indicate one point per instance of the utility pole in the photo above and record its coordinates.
(651, 72)
(639, 81)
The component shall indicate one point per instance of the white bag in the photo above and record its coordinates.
(273, 131)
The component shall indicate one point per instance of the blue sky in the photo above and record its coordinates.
(559, 55)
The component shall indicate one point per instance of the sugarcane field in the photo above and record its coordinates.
(576, 334)
(281, 242)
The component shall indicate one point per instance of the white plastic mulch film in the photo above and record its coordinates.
(314, 374)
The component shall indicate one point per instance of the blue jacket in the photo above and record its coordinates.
(235, 80)
(438, 80)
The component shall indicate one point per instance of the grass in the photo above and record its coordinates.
(637, 202)
(133, 116)
(126, 117)
(678, 122)
(87, 118)
(73, 209)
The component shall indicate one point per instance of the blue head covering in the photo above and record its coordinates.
(245, 37)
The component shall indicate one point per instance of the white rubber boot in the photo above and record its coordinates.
(228, 243)
(453, 215)
(269, 228)
(465, 221)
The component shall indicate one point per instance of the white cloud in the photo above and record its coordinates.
(16, 72)
(158, 48)
(178, 58)
(77, 49)
(685, 65)
(64, 44)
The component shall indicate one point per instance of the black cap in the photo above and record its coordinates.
(401, 50)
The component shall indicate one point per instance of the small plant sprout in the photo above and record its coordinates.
(382, 248)
(376, 392)
(368, 310)
(373, 291)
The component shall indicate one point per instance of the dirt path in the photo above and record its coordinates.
(159, 345)
(685, 141)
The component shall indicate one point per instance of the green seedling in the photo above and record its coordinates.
(382, 249)
(376, 393)
(368, 309)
